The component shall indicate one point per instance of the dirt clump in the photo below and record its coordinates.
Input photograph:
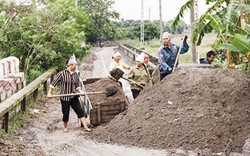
(8, 148)
(101, 85)
(190, 108)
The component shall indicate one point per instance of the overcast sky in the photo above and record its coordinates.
(131, 9)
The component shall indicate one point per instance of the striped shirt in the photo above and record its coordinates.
(69, 82)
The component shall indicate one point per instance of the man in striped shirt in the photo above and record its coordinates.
(69, 83)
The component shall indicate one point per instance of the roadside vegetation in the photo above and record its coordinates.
(229, 19)
(43, 34)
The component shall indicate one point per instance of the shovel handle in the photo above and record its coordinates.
(81, 94)
(177, 58)
(178, 54)
(133, 82)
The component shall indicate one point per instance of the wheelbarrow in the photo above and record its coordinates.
(118, 73)
(110, 91)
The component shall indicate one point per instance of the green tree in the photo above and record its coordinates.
(224, 17)
(151, 31)
(179, 28)
(132, 29)
(100, 13)
(44, 38)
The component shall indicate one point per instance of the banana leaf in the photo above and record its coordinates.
(238, 43)
(246, 30)
(241, 43)
(215, 22)
(228, 47)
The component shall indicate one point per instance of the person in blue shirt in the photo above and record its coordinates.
(210, 58)
(167, 54)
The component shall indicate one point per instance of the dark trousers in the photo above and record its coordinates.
(163, 75)
(135, 92)
(75, 104)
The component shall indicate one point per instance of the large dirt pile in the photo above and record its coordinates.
(191, 108)
(101, 85)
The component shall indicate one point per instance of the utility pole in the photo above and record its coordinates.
(76, 3)
(149, 13)
(193, 18)
(142, 24)
(161, 25)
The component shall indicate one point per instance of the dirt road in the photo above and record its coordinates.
(43, 133)
(101, 65)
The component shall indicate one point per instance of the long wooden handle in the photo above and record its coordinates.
(177, 58)
(133, 82)
(81, 94)
(178, 54)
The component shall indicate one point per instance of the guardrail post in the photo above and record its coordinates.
(5, 125)
(35, 94)
(45, 87)
(23, 104)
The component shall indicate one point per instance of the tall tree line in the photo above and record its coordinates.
(131, 29)
(46, 33)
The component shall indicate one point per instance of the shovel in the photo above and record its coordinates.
(110, 91)
(118, 73)
(178, 54)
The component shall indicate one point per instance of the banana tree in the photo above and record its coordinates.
(224, 17)
(240, 43)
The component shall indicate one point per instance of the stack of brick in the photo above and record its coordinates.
(11, 80)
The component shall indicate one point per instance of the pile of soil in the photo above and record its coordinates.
(101, 85)
(190, 108)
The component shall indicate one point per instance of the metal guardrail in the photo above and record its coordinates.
(128, 51)
(21, 97)
(152, 58)
(132, 52)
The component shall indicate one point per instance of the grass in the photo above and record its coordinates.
(152, 46)
(18, 118)
(14, 124)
